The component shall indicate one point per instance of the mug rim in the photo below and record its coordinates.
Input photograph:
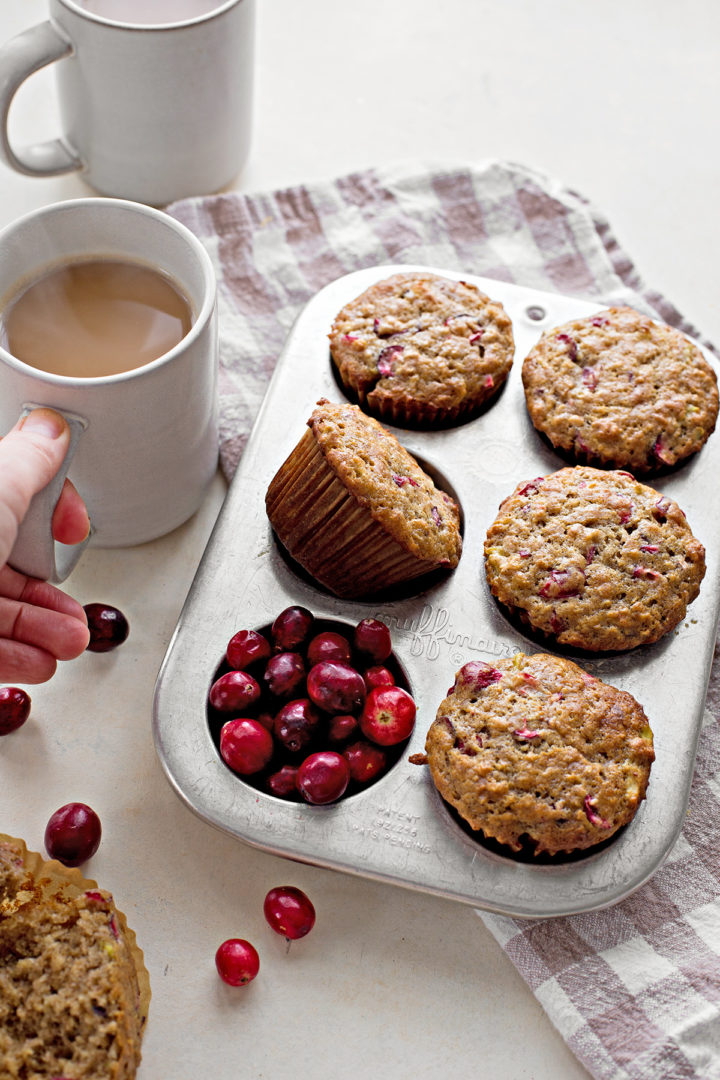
(204, 315)
(103, 20)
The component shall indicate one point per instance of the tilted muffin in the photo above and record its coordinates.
(355, 509)
(594, 558)
(74, 991)
(621, 390)
(534, 749)
(417, 348)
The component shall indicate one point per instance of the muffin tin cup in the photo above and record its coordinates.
(399, 830)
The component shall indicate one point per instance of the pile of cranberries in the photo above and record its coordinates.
(310, 709)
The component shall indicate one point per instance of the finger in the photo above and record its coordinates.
(30, 455)
(61, 635)
(70, 523)
(16, 586)
(25, 664)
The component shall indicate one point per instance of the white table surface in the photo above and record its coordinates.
(620, 102)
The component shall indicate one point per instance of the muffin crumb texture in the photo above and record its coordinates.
(593, 559)
(618, 389)
(418, 348)
(71, 1006)
(536, 751)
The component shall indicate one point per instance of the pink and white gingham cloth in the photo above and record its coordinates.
(634, 989)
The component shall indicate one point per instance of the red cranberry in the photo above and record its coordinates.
(107, 625)
(365, 760)
(295, 724)
(266, 719)
(14, 708)
(329, 646)
(246, 746)
(283, 783)
(291, 628)
(234, 692)
(388, 716)
(289, 911)
(323, 777)
(284, 674)
(237, 962)
(341, 728)
(373, 638)
(378, 676)
(336, 688)
(246, 648)
(72, 835)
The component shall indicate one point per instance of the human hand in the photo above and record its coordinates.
(39, 624)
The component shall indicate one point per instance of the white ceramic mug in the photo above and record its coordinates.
(145, 441)
(150, 113)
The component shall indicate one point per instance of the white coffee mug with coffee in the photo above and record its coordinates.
(151, 111)
(145, 439)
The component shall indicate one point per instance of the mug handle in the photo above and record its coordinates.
(36, 553)
(19, 58)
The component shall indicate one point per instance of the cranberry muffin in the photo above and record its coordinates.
(74, 991)
(536, 751)
(594, 559)
(617, 389)
(354, 508)
(420, 349)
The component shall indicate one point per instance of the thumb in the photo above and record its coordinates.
(30, 455)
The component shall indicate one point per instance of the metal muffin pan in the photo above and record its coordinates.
(399, 830)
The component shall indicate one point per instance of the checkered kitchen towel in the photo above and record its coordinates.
(635, 990)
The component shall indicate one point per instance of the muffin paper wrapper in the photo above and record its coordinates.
(324, 528)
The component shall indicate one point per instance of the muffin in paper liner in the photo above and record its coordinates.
(355, 509)
(420, 350)
(74, 989)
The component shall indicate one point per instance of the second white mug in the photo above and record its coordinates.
(150, 112)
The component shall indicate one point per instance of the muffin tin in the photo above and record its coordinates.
(399, 830)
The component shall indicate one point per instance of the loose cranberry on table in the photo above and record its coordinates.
(246, 746)
(289, 911)
(234, 692)
(72, 834)
(14, 708)
(237, 962)
(107, 625)
(388, 716)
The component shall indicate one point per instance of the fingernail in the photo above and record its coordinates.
(44, 422)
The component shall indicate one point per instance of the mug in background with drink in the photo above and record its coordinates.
(155, 96)
(108, 314)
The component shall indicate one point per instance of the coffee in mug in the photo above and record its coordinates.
(95, 317)
(150, 12)
(144, 444)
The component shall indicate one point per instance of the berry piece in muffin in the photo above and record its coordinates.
(618, 389)
(594, 559)
(354, 508)
(534, 750)
(420, 349)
